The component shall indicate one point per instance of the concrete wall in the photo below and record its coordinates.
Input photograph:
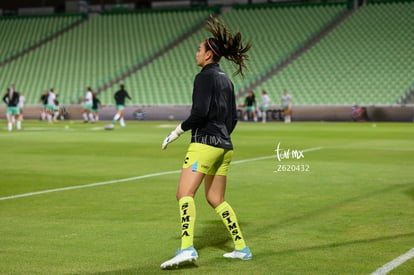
(299, 113)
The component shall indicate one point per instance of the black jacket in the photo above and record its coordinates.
(213, 113)
(13, 101)
(120, 97)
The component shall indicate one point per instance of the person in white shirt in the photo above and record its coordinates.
(87, 106)
(21, 105)
(51, 104)
(264, 105)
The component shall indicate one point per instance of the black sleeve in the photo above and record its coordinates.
(4, 98)
(233, 113)
(202, 94)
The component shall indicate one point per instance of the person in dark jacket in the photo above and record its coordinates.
(120, 97)
(11, 98)
(96, 103)
(212, 119)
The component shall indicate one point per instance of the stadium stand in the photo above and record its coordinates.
(21, 33)
(97, 52)
(274, 31)
(366, 60)
(363, 60)
(277, 33)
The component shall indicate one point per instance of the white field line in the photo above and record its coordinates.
(87, 185)
(128, 179)
(371, 148)
(394, 263)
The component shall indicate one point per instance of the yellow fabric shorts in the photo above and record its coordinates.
(207, 159)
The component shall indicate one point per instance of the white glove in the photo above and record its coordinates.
(172, 136)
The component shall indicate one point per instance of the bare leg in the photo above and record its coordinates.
(215, 189)
(189, 183)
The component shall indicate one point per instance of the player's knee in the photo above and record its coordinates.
(214, 201)
(180, 195)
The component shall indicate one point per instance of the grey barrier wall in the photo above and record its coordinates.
(299, 113)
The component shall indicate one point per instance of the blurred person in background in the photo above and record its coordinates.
(286, 102)
(87, 106)
(264, 105)
(95, 106)
(250, 106)
(11, 98)
(120, 97)
(43, 99)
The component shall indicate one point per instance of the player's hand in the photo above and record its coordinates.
(172, 136)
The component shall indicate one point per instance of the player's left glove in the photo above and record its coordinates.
(172, 136)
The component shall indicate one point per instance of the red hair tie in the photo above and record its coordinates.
(212, 49)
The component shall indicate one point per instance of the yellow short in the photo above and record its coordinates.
(207, 159)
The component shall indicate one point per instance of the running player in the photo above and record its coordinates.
(120, 105)
(213, 118)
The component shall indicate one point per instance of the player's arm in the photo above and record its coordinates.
(233, 113)
(128, 96)
(202, 95)
(199, 111)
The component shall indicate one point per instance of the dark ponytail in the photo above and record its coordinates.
(226, 44)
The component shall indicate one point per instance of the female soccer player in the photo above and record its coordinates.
(11, 98)
(286, 102)
(120, 105)
(264, 105)
(213, 118)
(250, 106)
(87, 106)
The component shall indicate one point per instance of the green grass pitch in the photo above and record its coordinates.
(340, 201)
